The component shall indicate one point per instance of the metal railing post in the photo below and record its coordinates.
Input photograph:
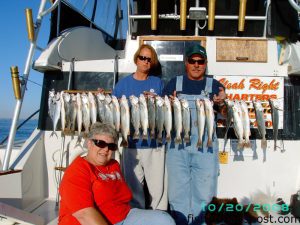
(18, 106)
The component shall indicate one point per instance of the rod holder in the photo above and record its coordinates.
(16, 81)
(153, 14)
(29, 22)
(242, 14)
(211, 14)
(183, 4)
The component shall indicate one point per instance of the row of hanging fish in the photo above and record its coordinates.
(155, 115)
(147, 114)
(238, 117)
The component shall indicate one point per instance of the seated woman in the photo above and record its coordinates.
(93, 190)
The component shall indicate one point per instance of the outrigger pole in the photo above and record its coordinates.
(153, 14)
(32, 34)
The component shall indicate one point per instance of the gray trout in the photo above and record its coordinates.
(79, 115)
(167, 118)
(135, 116)
(125, 120)
(109, 117)
(151, 115)
(144, 116)
(200, 121)
(209, 120)
(159, 103)
(68, 103)
(73, 112)
(177, 119)
(62, 112)
(229, 104)
(116, 113)
(238, 124)
(259, 114)
(54, 107)
(275, 119)
(101, 106)
(86, 114)
(186, 119)
(93, 107)
(246, 123)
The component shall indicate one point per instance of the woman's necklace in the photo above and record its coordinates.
(101, 174)
(108, 176)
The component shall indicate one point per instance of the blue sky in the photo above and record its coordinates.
(14, 46)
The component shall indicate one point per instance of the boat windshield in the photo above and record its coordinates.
(108, 15)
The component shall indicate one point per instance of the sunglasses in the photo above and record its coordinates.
(103, 144)
(199, 61)
(144, 58)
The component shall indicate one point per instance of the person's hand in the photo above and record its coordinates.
(220, 98)
(172, 96)
(149, 93)
(100, 91)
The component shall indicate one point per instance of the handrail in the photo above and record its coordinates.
(177, 17)
(44, 13)
(295, 5)
(174, 16)
(19, 102)
(25, 121)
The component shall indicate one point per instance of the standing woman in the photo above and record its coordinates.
(93, 190)
(144, 160)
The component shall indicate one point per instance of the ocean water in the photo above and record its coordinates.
(23, 132)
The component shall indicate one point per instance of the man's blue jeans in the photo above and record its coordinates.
(192, 182)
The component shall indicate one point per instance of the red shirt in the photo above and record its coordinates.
(83, 185)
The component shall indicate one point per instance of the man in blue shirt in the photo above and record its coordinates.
(144, 159)
(193, 171)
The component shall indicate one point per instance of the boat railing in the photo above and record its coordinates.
(201, 13)
(17, 143)
(295, 4)
(33, 31)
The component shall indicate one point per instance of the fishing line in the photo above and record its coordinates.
(23, 79)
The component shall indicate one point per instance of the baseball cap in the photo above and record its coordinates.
(195, 49)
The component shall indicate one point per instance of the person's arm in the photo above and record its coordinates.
(90, 216)
(115, 91)
(219, 100)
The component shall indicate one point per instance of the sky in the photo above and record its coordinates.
(14, 47)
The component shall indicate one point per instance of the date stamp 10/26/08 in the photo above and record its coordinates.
(229, 207)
